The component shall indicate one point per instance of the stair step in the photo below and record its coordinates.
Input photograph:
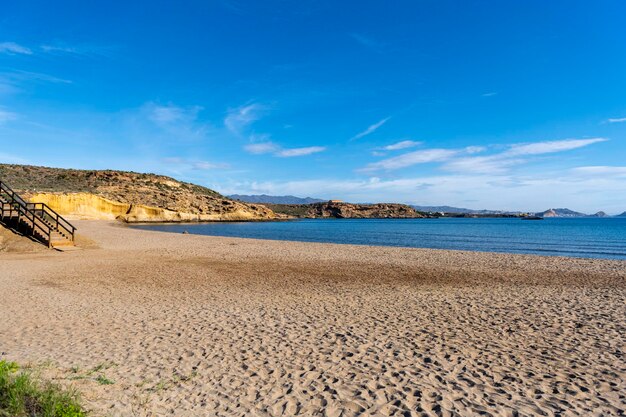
(40, 221)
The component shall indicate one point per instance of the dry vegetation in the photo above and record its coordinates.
(125, 187)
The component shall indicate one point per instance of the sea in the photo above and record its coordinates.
(603, 238)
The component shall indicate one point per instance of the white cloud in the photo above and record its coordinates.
(287, 153)
(475, 149)
(401, 145)
(7, 116)
(17, 76)
(503, 192)
(491, 94)
(371, 129)
(58, 49)
(482, 164)
(412, 158)
(196, 165)
(170, 113)
(173, 123)
(261, 148)
(457, 159)
(617, 120)
(539, 148)
(516, 155)
(79, 51)
(13, 48)
(237, 119)
(276, 150)
(601, 170)
(203, 165)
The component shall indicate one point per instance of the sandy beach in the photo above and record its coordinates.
(147, 323)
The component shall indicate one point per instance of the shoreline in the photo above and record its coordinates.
(200, 325)
(523, 250)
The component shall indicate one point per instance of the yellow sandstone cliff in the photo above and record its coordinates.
(93, 207)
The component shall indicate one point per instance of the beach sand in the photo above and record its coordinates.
(149, 323)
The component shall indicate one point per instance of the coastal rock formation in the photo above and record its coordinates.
(127, 196)
(599, 214)
(560, 212)
(341, 210)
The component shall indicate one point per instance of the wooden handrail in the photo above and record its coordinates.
(30, 211)
(36, 223)
(59, 220)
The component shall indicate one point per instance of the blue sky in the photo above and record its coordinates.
(482, 104)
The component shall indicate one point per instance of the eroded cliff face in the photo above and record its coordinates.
(94, 207)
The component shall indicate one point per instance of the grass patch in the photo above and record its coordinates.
(103, 380)
(22, 396)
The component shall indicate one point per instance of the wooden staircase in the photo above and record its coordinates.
(36, 220)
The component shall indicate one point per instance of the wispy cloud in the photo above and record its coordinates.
(205, 166)
(490, 94)
(196, 165)
(16, 77)
(261, 148)
(412, 158)
(617, 120)
(81, 51)
(371, 129)
(288, 153)
(459, 160)
(539, 148)
(516, 154)
(492, 164)
(405, 144)
(601, 170)
(367, 41)
(7, 116)
(237, 119)
(13, 48)
(164, 114)
(276, 150)
(177, 122)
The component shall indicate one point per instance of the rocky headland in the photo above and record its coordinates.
(126, 196)
(342, 210)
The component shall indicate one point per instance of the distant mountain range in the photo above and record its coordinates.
(273, 199)
(460, 210)
(550, 213)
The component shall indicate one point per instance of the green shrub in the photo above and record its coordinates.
(22, 396)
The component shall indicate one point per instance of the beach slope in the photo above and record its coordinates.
(149, 323)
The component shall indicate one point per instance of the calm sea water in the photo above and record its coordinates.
(582, 237)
